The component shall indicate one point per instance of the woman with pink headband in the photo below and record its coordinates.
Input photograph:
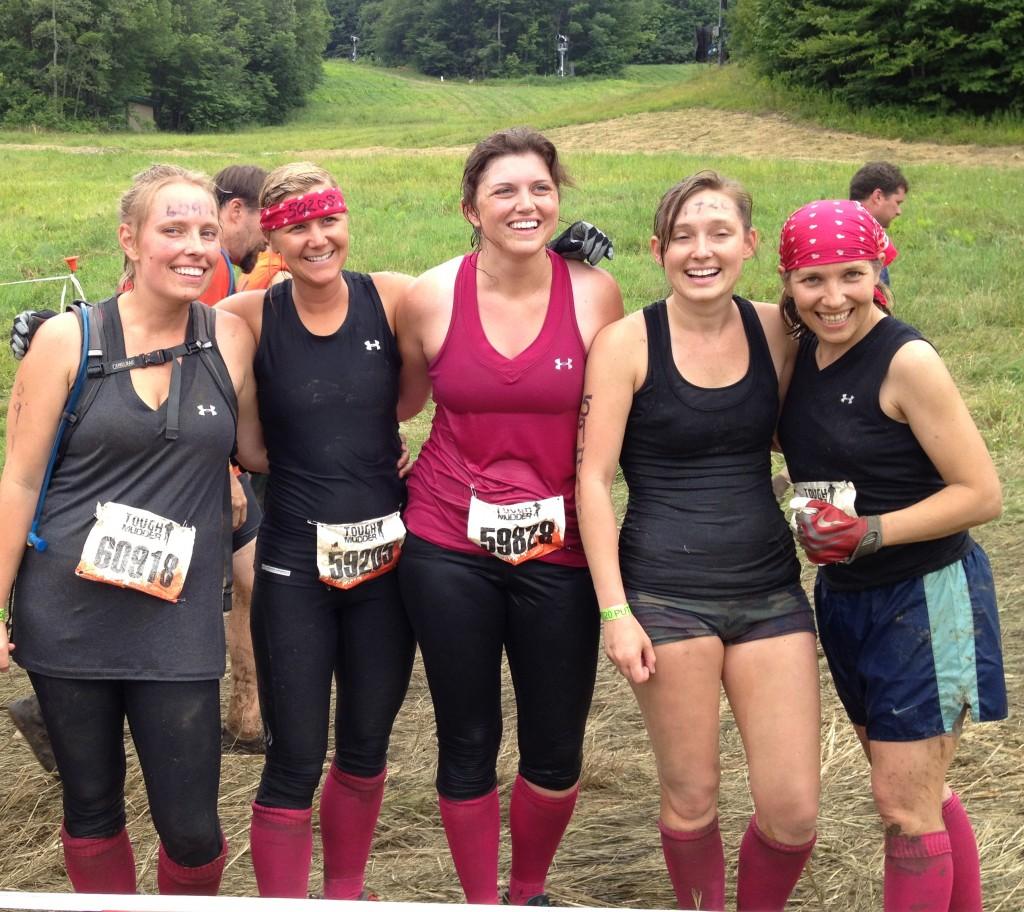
(325, 605)
(702, 588)
(891, 473)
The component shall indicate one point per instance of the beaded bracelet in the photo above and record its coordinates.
(615, 611)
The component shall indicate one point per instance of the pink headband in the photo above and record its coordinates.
(317, 204)
(832, 231)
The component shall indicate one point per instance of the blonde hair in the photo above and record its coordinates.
(138, 199)
(295, 177)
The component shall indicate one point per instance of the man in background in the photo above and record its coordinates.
(881, 188)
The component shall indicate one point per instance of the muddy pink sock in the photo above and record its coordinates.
(349, 808)
(966, 896)
(918, 873)
(768, 870)
(537, 822)
(696, 866)
(173, 879)
(472, 829)
(281, 841)
(103, 865)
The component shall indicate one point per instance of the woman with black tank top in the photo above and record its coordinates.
(325, 604)
(702, 588)
(120, 616)
(891, 473)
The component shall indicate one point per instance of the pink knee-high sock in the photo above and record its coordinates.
(966, 896)
(537, 822)
(103, 865)
(281, 841)
(349, 807)
(472, 829)
(696, 866)
(768, 870)
(173, 879)
(918, 873)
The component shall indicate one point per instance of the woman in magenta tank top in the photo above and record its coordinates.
(493, 558)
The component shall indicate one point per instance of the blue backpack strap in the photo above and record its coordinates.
(67, 421)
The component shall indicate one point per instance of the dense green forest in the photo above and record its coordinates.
(944, 55)
(518, 37)
(207, 64)
(217, 64)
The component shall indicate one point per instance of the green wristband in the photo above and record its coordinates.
(615, 611)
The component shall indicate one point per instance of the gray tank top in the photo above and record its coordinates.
(68, 626)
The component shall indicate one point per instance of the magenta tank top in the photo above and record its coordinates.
(503, 427)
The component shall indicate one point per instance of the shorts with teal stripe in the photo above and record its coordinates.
(907, 658)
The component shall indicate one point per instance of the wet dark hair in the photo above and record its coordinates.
(877, 175)
(239, 182)
(675, 197)
(514, 141)
(791, 316)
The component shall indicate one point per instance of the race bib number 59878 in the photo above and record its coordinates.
(136, 549)
(517, 532)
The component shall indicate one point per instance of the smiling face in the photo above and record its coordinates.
(706, 248)
(174, 248)
(314, 251)
(516, 204)
(836, 301)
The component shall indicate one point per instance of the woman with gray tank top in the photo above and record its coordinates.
(120, 616)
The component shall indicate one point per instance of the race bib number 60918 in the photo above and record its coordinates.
(135, 549)
(517, 532)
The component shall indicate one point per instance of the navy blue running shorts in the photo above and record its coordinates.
(908, 658)
(246, 532)
(732, 620)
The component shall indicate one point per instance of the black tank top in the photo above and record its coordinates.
(833, 429)
(67, 626)
(327, 404)
(702, 521)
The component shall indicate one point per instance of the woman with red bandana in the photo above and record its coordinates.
(891, 474)
(493, 559)
(325, 603)
(702, 588)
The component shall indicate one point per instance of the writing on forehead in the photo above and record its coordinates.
(184, 208)
(698, 206)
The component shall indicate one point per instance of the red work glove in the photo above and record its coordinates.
(829, 536)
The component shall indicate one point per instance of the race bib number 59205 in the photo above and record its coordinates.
(348, 554)
(517, 532)
(135, 549)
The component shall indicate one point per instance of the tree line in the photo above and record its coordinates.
(207, 64)
(942, 55)
(514, 38)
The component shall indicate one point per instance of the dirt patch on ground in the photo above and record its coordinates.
(695, 131)
(703, 131)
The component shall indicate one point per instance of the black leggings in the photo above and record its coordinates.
(464, 609)
(176, 729)
(304, 636)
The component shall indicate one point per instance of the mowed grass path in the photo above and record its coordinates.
(959, 277)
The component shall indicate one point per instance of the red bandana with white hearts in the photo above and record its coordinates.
(305, 208)
(832, 231)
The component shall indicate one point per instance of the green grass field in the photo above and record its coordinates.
(959, 277)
